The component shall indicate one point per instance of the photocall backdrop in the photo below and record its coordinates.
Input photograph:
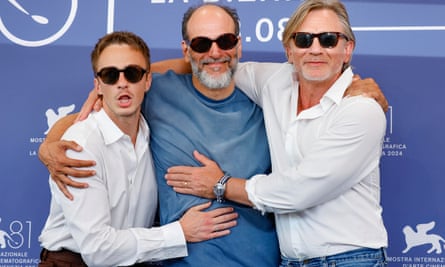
(45, 74)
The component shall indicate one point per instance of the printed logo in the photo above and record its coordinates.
(52, 117)
(5, 238)
(392, 148)
(15, 244)
(13, 239)
(422, 237)
(20, 18)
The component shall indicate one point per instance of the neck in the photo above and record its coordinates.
(130, 128)
(129, 125)
(310, 93)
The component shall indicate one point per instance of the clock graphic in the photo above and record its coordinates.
(21, 18)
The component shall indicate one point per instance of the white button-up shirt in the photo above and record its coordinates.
(108, 221)
(325, 183)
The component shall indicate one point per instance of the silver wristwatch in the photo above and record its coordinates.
(220, 187)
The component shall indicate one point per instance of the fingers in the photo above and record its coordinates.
(180, 184)
(201, 207)
(88, 106)
(65, 145)
(179, 180)
(221, 227)
(69, 163)
(219, 234)
(63, 181)
(222, 212)
(61, 167)
(66, 180)
(223, 217)
(98, 105)
(377, 93)
(201, 158)
(199, 225)
(64, 190)
(62, 161)
(223, 222)
(180, 170)
(384, 103)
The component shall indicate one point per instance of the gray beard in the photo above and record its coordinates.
(210, 81)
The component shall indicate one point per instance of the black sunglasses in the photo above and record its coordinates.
(110, 75)
(201, 44)
(326, 39)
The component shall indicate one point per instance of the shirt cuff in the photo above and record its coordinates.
(251, 194)
(159, 243)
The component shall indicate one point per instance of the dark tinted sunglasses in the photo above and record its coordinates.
(226, 41)
(326, 39)
(110, 75)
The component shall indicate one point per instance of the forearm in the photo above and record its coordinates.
(236, 191)
(55, 134)
(178, 65)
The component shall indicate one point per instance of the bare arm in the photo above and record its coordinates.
(178, 65)
(199, 181)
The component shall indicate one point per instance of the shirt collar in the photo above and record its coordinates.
(337, 90)
(111, 133)
(333, 96)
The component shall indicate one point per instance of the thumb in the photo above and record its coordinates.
(70, 145)
(201, 158)
(201, 207)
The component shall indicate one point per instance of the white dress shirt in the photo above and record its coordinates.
(325, 183)
(108, 221)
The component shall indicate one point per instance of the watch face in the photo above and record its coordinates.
(219, 189)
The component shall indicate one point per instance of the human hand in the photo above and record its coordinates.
(198, 181)
(201, 225)
(369, 88)
(93, 102)
(53, 155)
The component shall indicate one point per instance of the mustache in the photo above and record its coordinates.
(213, 60)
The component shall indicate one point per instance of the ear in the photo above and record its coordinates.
(349, 48)
(148, 82)
(240, 48)
(289, 56)
(97, 86)
(185, 51)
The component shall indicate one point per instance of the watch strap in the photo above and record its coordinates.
(221, 185)
(224, 178)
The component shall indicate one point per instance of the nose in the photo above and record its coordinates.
(315, 46)
(215, 51)
(122, 82)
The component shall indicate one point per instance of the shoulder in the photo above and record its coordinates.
(361, 102)
(362, 111)
(84, 132)
(263, 73)
(264, 67)
(169, 81)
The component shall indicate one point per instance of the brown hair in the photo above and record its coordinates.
(120, 37)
